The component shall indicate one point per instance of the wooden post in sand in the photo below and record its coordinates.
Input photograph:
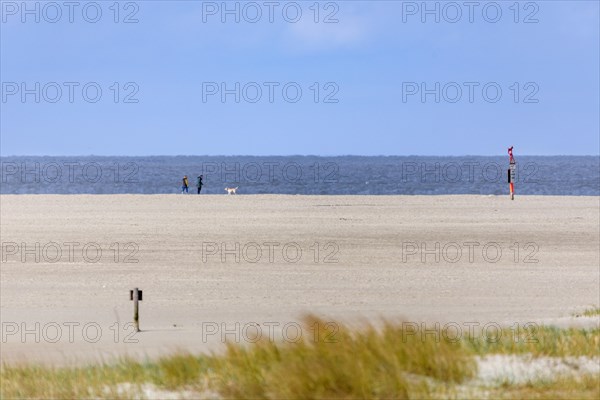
(136, 295)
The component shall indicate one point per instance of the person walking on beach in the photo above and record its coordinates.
(184, 185)
(199, 183)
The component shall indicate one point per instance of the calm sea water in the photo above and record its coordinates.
(553, 175)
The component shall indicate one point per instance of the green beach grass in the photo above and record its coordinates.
(591, 312)
(384, 362)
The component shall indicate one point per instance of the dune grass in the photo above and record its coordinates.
(388, 361)
(585, 387)
(65, 383)
(120, 380)
(540, 341)
(371, 363)
(591, 312)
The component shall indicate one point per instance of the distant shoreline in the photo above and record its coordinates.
(303, 175)
(267, 195)
(290, 155)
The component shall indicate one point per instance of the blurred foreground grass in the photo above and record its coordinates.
(390, 361)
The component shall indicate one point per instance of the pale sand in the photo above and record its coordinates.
(182, 294)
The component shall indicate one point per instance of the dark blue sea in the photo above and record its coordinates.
(356, 175)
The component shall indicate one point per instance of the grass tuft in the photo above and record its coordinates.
(178, 371)
(541, 341)
(591, 312)
(369, 363)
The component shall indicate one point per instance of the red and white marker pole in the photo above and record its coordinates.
(511, 173)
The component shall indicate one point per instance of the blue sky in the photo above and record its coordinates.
(375, 61)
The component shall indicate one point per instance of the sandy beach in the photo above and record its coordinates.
(218, 266)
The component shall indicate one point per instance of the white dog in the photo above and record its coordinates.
(231, 190)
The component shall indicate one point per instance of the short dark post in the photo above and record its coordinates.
(136, 295)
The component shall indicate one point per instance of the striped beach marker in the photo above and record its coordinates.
(511, 173)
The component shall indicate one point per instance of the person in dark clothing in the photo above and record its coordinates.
(199, 183)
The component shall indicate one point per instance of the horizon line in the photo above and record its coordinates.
(299, 155)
